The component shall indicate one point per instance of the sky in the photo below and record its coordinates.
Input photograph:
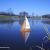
(37, 7)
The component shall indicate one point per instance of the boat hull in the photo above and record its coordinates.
(25, 30)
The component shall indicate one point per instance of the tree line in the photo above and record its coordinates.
(7, 14)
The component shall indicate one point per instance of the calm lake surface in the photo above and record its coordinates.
(10, 35)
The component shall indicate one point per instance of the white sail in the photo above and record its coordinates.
(27, 23)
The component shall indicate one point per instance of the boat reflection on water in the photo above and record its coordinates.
(26, 36)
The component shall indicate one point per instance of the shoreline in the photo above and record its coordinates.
(5, 20)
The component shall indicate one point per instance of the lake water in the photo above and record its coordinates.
(10, 36)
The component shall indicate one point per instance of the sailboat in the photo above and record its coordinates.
(25, 27)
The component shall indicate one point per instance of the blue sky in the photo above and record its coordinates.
(38, 7)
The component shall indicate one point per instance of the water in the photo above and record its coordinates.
(10, 36)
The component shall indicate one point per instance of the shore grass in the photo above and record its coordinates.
(6, 19)
(5, 16)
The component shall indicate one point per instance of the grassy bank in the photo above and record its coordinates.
(3, 16)
(7, 18)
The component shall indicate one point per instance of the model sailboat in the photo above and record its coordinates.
(25, 26)
(25, 29)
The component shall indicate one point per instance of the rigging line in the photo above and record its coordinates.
(46, 29)
(5, 47)
(40, 47)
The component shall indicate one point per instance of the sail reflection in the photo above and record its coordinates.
(27, 36)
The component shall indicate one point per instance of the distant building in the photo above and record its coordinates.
(23, 14)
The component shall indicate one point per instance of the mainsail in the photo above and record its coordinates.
(27, 23)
